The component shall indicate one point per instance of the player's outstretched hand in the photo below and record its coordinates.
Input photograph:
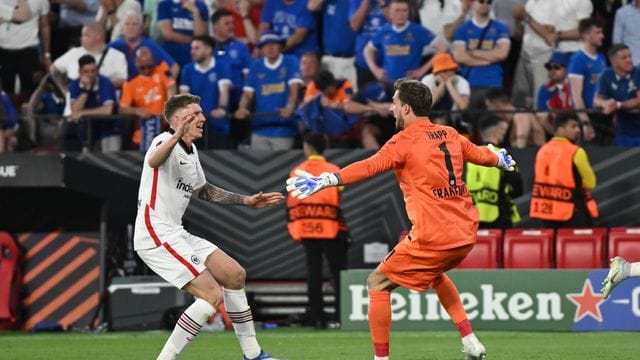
(304, 184)
(182, 124)
(261, 200)
(505, 160)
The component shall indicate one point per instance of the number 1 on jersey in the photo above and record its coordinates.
(448, 163)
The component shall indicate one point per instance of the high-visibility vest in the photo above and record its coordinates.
(554, 188)
(592, 205)
(318, 216)
(484, 186)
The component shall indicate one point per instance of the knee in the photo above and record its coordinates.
(370, 282)
(237, 279)
(373, 281)
(213, 296)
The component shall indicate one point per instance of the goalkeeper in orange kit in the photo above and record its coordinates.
(428, 162)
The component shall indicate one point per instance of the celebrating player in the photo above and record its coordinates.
(170, 175)
(428, 162)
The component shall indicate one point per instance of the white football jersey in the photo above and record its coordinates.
(165, 192)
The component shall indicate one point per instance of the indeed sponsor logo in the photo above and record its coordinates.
(184, 186)
(8, 171)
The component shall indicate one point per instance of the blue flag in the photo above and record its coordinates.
(318, 118)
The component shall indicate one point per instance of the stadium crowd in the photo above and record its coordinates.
(80, 74)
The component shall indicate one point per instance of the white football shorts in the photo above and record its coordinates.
(180, 259)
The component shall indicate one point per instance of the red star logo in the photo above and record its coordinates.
(588, 303)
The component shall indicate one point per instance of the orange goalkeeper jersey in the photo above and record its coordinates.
(428, 161)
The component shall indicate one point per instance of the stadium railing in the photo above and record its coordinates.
(39, 131)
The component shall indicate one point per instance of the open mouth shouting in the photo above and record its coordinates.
(199, 126)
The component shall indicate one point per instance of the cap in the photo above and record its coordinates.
(558, 58)
(443, 62)
(270, 37)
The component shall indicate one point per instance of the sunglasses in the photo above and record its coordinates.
(555, 67)
(488, 2)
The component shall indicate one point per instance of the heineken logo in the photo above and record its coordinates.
(555, 300)
(489, 305)
(587, 303)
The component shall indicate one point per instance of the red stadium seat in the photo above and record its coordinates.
(10, 280)
(580, 248)
(486, 254)
(528, 249)
(625, 242)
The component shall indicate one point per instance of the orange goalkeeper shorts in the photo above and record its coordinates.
(416, 269)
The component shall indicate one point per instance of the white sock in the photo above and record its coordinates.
(239, 312)
(380, 357)
(634, 269)
(187, 328)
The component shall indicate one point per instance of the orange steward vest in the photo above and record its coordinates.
(554, 188)
(318, 216)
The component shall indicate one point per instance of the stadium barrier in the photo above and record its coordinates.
(145, 303)
(544, 300)
(61, 281)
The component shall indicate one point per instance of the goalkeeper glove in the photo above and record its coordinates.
(505, 160)
(305, 184)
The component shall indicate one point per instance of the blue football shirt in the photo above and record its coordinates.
(285, 19)
(205, 82)
(588, 68)
(374, 21)
(270, 84)
(338, 39)
(182, 22)
(612, 86)
(402, 48)
(468, 33)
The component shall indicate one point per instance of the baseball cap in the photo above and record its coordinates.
(557, 58)
(270, 37)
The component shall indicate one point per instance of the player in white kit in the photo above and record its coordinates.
(171, 174)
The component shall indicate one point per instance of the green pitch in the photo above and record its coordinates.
(305, 344)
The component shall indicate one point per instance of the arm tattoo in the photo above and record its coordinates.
(218, 195)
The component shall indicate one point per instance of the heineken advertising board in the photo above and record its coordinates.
(558, 300)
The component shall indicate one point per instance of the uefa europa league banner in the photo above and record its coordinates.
(558, 300)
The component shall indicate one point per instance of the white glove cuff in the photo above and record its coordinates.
(330, 179)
